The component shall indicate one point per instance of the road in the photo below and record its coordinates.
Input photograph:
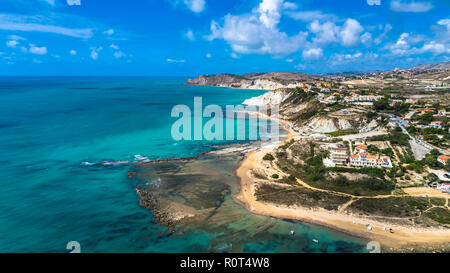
(402, 124)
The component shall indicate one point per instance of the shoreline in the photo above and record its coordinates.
(403, 237)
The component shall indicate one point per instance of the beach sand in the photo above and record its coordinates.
(403, 236)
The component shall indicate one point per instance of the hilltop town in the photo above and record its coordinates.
(370, 148)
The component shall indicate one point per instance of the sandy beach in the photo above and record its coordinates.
(403, 236)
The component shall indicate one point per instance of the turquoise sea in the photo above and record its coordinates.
(49, 126)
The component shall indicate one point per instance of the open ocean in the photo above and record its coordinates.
(48, 126)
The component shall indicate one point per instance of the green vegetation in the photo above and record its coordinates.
(395, 137)
(382, 104)
(437, 201)
(268, 157)
(275, 176)
(392, 206)
(371, 115)
(308, 114)
(302, 96)
(343, 133)
(299, 196)
(440, 215)
(427, 117)
(375, 172)
(401, 108)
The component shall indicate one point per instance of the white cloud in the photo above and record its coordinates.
(312, 15)
(113, 46)
(445, 36)
(234, 55)
(12, 43)
(405, 43)
(289, 60)
(401, 47)
(366, 39)
(445, 22)
(37, 50)
(413, 6)
(34, 23)
(109, 32)
(190, 35)
(73, 2)
(436, 48)
(118, 54)
(382, 36)
(347, 35)
(344, 59)
(270, 12)
(175, 61)
(350, 33)
(208, 55)
(95, 51)
(312, 54)
(257, 32)
(195, 5)
(15, 37)
(50, 2)
(290, 6)
(73, 52)
(325, 33)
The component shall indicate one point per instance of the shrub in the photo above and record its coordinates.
(275, 176)
(268, 157)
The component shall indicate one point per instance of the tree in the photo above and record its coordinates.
(268, 157)
(435, 152)
(382, 104)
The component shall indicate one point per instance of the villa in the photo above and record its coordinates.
(366, 160)
(360, 149)
(443, 159)
(361, 158)
(444, 187)
(339, 156)
(436, 124)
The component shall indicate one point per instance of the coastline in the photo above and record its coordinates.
(403, 237)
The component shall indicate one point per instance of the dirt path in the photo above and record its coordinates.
(343, 207)
(393, 150)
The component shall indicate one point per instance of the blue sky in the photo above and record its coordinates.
(193, 37)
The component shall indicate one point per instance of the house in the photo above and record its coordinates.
(420, 138)
(365, 160)
(442, 112)
(356, 160)
(436, 124)
(444, 187)
(443, 159)
(360, 149)
(339, 155)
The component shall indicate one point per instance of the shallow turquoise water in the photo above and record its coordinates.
(48, 126)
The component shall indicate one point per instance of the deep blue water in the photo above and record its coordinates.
(48, 126)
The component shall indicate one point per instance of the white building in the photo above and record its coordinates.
(443, 159)
(444, 187)
(339, 156)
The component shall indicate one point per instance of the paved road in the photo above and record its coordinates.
(401, 123)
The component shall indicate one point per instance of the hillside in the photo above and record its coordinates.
(263, 81)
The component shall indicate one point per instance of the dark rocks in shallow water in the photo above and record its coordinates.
(131, 174)
(151, 203)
